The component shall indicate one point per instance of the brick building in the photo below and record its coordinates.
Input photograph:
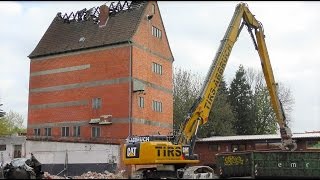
(99, 75)
(102, 76)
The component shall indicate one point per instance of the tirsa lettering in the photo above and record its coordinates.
(168, 151)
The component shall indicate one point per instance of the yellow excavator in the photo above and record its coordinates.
(173, 156)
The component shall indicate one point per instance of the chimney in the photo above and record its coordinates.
(104, 15)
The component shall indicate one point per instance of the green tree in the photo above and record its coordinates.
(186, 89)
(11, 123)
(241, 100)
(265, 120)
(263, 114)
(221, 117)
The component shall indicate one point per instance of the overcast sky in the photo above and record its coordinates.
(194, 30)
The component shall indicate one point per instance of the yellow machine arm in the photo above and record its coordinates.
(199, 113)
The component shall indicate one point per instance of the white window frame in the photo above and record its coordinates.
(37, 131)
(156, 32)
(96, 103)
(141, 102)
(76, 131)
(157, 106)
(48, 131)
(157, 68)
(94, 132)
(65, 131)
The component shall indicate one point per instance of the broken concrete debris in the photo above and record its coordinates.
(89, 175)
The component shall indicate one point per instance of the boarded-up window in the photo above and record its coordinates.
(3, 147)
(214, 147)
(153, 9)
(274, 145)
(259, 146)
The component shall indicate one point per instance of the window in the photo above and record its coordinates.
(313, 144)
(238, 147)
(156, 68)
(261, 146)
(141, 102)
(96, 103)
(95, 132)
(76, 131)
(156, 32)
(157, 106)
(17, 151)
(47, 131)
(234, 147)
(65, 131)
(153, 9)
(36, 132)
(214, 147)
(242, 147)
(275, 145)
(3, 147)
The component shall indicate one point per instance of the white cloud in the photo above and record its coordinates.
(10, 8)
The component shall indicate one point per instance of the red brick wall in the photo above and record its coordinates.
(107, 64)
(143, 34)
(142, 69)
(104, 65)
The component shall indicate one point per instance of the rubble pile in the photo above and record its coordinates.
(46, 175)
(89, 175)
(105, 175)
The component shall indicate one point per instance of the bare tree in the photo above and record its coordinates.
(186, 87)
(2, 113)
(265, 116)
(287, 100)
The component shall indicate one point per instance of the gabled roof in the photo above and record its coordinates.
(257, 137)
(63, 37)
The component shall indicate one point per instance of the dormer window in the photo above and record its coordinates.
(82, 39)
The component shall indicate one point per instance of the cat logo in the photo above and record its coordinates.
(132, 152)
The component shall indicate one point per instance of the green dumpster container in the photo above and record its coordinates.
(255, 164)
